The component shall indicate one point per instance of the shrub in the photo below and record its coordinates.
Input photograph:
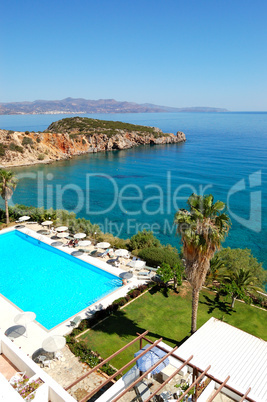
(27, 132)
(27, 141)
(38, 139)
(120, 302)
(2, 150)
(134, 293)
(143, 239)
(155, 256)
(15, 148)
(41, 157)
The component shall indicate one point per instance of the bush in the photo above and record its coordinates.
(155, 256)
(134, 293)
(15, 148)
(38, 139)
(27, 141)
(142, 240)
(120, 302)
(2, 150)
(41, 157)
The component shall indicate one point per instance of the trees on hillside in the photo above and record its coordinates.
(239, 284)
(202, 229)
(8, 183)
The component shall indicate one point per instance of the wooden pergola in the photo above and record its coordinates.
(198, 373)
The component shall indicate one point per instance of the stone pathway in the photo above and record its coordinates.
(68, 369)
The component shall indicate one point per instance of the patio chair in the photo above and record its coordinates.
(44, 361)
(58, 356)
(75, 321)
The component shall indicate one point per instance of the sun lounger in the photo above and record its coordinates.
(104, 253)
(75, 321)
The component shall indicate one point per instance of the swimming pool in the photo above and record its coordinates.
(37, 277)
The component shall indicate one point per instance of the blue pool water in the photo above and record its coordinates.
(36, 277)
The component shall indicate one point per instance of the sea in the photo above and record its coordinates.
(126, 191)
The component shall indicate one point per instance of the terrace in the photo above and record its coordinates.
(216, 364)
(13, 361)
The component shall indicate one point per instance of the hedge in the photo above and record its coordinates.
(155, 256)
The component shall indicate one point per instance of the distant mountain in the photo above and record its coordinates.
(70, 105)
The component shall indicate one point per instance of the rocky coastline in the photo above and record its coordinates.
(28, 148)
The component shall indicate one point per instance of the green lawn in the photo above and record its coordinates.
(169, 318)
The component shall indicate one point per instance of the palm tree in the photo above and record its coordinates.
(8, 183)
(241, 282)
(216, 270)
(202, 230)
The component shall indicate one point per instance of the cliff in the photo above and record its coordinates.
(75, 136)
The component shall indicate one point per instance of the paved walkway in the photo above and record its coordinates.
(69, 369)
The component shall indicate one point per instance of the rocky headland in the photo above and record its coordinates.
(76, 136)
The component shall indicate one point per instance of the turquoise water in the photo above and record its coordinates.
(36, 277)
(222, 150)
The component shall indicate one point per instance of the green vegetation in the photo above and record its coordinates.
(202, 229)
(2, 150)
(168, 273)
(15, 148)
(236, 258)
(155, 256)
(41, 157)
(8, 183)
(143, 240)
(83, 125)
(59, 217)
(167, 317)
(27, 141)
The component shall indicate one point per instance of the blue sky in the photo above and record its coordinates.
(173, 52)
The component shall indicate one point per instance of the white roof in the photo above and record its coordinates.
(229, 351)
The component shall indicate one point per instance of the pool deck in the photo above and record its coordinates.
(36, 333)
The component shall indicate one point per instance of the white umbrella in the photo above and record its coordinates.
(47, 223)
(103, 244)
(54, 343)
(137, 264)
(62, 229)
(63, 234)
(25, 318)
(24, 218)
(121, 252)
(79, 236)
(84, 243)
